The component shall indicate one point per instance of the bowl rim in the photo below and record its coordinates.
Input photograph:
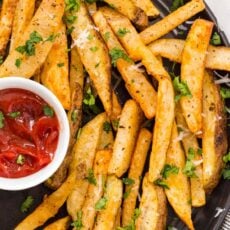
(15, 184)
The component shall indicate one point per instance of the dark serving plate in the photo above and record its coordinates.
(10, 202)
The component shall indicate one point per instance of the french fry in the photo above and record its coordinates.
(171, 21)
(178, 193)
(152, 207)
(93, 54)
(55, 71)
(217, 57)
(192, 72)
(189, 142)
(92, 8)
(46, 23)
(124, 143)
(84, 152)
(136, 83)
(214, 142)
(116, 108)
(23, 14)
(117, 220)
(135, 172)
(148, 7)
(106, 218)
(6, 23)
(129, 9)
(61, 224)
(95, 191)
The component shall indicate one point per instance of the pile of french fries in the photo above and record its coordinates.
(106, 168)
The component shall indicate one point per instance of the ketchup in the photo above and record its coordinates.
(29, 133)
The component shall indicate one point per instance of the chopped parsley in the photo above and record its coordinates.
(115, 123)
(101, 204)
(52, 38)
(77, 224)
(169, 169)
(74, 115)
(94, 48)
(60, 64)
(225, 92)
(106, 36)
(90, 177)
(18, 62)
(70, 30)
(72, 5)
(116, 54)
(189, 169)
(226, 158)
(20, 159)
(48, 111)
(160, 182)
(128, 181)
(90, 1)
(97, 64)
(126, 194)
(176, 4)
(181, 88)
(122, 32)
(107, 127)
(216, 40)
(69, 19)
(1, 59)
(2, 118)
(14, 114)
(226, 173)
(27, 204)
(90, 37)
(89, 98)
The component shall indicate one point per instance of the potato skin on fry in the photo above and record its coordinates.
(61, 224)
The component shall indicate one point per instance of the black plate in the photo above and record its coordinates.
(10, 202)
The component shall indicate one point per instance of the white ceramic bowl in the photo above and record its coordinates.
(63, 141)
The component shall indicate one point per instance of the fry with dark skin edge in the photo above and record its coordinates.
(61, 224)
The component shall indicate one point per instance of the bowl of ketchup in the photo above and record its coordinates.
(34, 133)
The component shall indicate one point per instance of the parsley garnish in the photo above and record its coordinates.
(122, 32)
(216, 40)
(90, 1)
(60, 64)
(106, 36)
(226, 158)
(126, 194)
(101, 204)
(69, 19)
(181, 88)
(107, 127)
(74, 115)
(89, 98)
(72, 5)
(1, 59)
(27, 204)
(189, 169)
(169, 169)
(226, 173)
(78, 222)
(48, 111)
(91, 178)
(90, 37)
(2, 118)
(94, 48)
(128, 181)
(52, 38)
(116, 54)
(70, 30)
(225, 92)
(176, 4)
(14, 114)
(18, 62)
(115, 123)
(20, 159)
(160, 182)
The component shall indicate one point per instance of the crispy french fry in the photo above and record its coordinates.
(61, 224)
(92, 8)
(23, 14)
(106, 217)
(171, 21)
(152, 207)
(129, 9)
(129, 123)
(50, 206)
(6, 23)
(148, 7)
(214, 142)
(189, 142)
(95, 191)
(217, 57)
(55, 71)
(46, 23)
(178, 193)
(192, 71)
(136, 168)
(84, 152)
(136, 83)
(93, 54)
(117, 220)
(116, 108)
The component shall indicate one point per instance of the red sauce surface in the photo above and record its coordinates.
(29, 136)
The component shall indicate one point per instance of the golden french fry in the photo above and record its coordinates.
(152, 207)
(84, 152)
(23, 14)
(136, 168)
(178, 193)
(214, 142)
(55, 71)
(46, 23)
(61, 224)
(189, 141)
(124, 143)
(129, 9)
(93, 54)
(92, 8)
(106, 217)
(117, 220)
(6, 23)
(192, 71)
(96, 188)
(116, 108)
(171, 21)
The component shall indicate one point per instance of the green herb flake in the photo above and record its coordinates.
(181, 88)
(191, 154)
(70, 30)
(169, 169)
(18, 62)
(48, 111)
(128, 181)
(90, 1)
(106, 36)
(127, 193)
(74, 115)
(116, 123)
(77, 224)
(72, 5)
(101, 204)
(199, 152)
(78, 133)
(27, 204)
(160, 182)
(116, 54)
(89, 98)
(189, 169)
(225, 92)
(226, 173)
(60, 64)
(226, 158)
(14, 114)
(2, 118)
(215, 40)
(94, 48)
(107, 127)
(176, 4)
(122, 32)
(97, 65)
(69, 19)
(1, 59)
(90, 37)
(52, 38)
(91, 178)
(20, 159)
